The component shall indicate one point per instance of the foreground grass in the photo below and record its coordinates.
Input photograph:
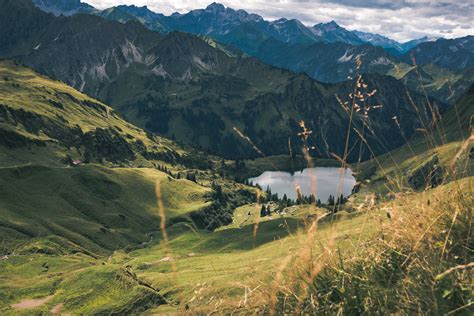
(420, 263)
(226, 270)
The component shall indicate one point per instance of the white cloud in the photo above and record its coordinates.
(401, 20)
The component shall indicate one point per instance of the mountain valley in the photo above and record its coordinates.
(132, 144)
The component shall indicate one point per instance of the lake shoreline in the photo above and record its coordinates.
(286, 163)
(322, 182)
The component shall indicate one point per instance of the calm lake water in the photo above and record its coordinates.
(326, 181)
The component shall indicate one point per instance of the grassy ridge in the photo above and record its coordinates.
(448, 140)
(94, 207)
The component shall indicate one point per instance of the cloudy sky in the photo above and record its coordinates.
(399, 19)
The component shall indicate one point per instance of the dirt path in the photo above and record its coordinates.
(57, 309)
(32, 303)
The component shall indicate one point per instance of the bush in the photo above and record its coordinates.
(428, 174)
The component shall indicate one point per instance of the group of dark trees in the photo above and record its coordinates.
(191, 176)
(302, 200)
(164, 169)
(220, 212)
(265, 211)
(332, 203)
(188, 176)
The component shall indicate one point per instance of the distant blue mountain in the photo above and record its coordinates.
(238, 27)
(331, 32)
(64, 7)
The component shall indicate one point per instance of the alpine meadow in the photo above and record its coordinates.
(246, 158)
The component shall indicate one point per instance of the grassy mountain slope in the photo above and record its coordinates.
(219, 265)
(90, 207)
(445, 149)
(45, 126)
(38, 110)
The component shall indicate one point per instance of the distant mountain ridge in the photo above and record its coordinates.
(457, 54)
(64, 7)
(332, 32)
(320, 51)
(217, 20)
(191, 90)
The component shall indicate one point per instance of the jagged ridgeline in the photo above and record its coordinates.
(194, 91)
(325, 51)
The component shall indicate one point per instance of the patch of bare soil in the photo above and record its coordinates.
(32, 303)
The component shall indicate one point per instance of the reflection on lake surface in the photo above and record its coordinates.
(326, 181)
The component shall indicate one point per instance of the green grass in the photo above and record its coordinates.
(250, 214)
(79, 283)
(217, 265)
(94, 207)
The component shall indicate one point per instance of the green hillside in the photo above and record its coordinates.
(87, 239)
(445, 148)
(100, 171)
(89, 235)
(36, 110)
(92, 207)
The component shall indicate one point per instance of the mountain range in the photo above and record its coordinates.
(192, 90)
(216, 20)
(296, 47)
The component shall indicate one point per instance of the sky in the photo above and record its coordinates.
(401, 20)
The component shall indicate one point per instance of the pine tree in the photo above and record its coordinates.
(331, 200)
(218, 194)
